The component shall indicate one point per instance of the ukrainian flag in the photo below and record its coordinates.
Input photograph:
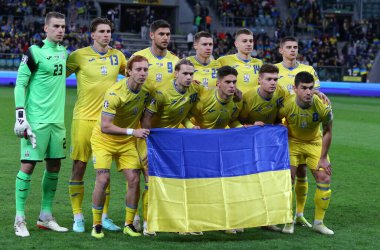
(204, 180)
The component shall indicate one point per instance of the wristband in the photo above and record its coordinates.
(130, 131)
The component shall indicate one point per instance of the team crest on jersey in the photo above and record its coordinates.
(158, 77)
(94, 159)
(303, 124)
(246, 77)
(205, 82)
(106, 104)
(24, 59)
(103, 70)
(135, 110)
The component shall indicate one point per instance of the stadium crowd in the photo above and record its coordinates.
(357, 54)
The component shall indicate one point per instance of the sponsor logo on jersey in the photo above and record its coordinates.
(48, 58)
(91, 60)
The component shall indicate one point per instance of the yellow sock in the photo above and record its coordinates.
(129, 214)
(145, 202)
(322, 200)
(107, 200)
(301, 188)
(76, 191)
(97, 215)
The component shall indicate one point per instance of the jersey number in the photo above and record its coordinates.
(114, 60)
(193, 98)
(57, 70)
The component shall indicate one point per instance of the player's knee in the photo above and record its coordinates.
(322, 176)
(134, 182)
(79, 168)
(53, 165)
(301, 171)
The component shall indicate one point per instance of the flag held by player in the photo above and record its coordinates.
(218, 179)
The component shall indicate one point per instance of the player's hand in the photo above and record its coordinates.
(141, 133)
(325, 164)
(258, 123)
(22, 128)
(324, 97)
(196, 127)
(247, 125)
(238, 95)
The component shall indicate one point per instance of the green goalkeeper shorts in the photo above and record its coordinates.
(51, 142)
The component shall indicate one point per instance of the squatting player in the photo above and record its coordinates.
(168, 108)
(40, 94)
(96, 68)
(114, 138)
(304, 113)
(247, 67)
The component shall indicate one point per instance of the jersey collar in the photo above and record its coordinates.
(243, 60)
(220, 100)
(158, 57)
(50, 44)
(97, 51)
(291, 68)
(204, 64)
(175, 87)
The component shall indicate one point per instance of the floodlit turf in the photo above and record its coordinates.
(353, 214)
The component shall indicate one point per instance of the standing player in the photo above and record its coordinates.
(247, 67)
(161, 61)
(97, 68)
(40, 107)
(288, 69)
(204, 64)
(161, 72)
(114, 138)
(304, 113)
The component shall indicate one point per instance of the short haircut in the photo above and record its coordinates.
(97, 21)
(182, 62)
(134, 59)
(243, 31)
(53, 14)
(268, 68)
(225, 71)
(201, 34)
(161, 23)
(303, 77)
(287, 39)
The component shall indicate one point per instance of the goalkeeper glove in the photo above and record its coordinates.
(22, 127)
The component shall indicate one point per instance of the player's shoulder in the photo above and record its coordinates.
(192, 59)
(256, 61)
(223, 60)
(304, 67)
(215, 64)
(250, 94)
(144, 52)
(320, 105)
(171, 56)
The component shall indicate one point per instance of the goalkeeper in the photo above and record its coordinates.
(40, 102)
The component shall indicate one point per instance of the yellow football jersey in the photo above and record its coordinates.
(213, 112)
(161, 69)
(248, 76)
(304, 124)
(171, 106)
(205, 74)
(95, 73)
(286, 75)
(125, 106)
(256, 108)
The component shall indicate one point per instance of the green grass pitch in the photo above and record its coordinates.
(353, 214)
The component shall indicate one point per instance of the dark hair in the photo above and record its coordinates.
(225, 71)
(161, 23)
(243, 31)
(134, 59)
(268, 68)
(287, 39)
(182, 62)
(303, 77)
(97, 21)
(53, 14)
(201, 34)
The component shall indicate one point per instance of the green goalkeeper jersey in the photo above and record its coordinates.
(41, 83)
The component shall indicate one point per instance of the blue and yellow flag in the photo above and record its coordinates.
(201, 180)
